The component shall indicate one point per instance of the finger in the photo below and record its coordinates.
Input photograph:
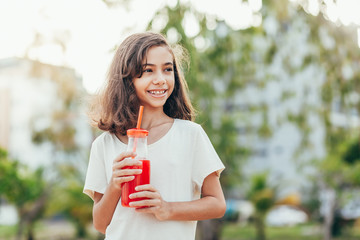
(145, 187)
(145, 194)
(127, 172)
(120, 180)
(146, 203)
(124, 155)
(128, 162)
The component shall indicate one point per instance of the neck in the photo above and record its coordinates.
(153, 118)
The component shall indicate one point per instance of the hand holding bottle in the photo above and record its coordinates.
(151, 202)
(125, 168)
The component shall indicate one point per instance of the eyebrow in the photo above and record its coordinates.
(151, 64)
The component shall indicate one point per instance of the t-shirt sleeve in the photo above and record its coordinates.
(95, 180)
(206, 160)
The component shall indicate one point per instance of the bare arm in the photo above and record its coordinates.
(104, 207)
(105, 204)
(210, 205)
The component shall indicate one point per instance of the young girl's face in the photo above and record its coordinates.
(156, 84)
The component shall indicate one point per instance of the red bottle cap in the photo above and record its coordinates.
(137, 132)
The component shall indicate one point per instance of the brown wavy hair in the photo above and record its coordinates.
(116, 107)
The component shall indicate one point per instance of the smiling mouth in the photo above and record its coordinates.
(157, 92)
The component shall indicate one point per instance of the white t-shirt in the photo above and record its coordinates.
(180, 161)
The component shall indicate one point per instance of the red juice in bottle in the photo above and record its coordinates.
(141, 179)
(137, 142)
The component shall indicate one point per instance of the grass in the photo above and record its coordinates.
(46, 230)
(6, 232)
(231, 231)
(234, 231)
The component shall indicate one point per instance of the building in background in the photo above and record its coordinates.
(4, 117)
(30, 96)
(37, 98)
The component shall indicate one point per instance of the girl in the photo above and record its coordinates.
(185, 168)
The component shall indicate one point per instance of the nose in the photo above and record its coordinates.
(159, 79)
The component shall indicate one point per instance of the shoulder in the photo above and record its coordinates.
(186, 125)
(104, 138)
(105, 143)
(190, 128)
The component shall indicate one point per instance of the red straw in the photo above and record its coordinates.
(138, 125)
(140, 117)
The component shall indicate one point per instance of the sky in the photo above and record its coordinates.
(81, 34)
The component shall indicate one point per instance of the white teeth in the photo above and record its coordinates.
(157, 92)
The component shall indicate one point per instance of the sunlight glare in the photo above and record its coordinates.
(48, 53)
(159, 22)
(201, 43)
(191, 25)
(172, 35)
(255, 5)
(349, 11)
(95, 30)
(171, 3)
(331, 11)
(314, 7)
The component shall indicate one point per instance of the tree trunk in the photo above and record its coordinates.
(30, 234)
(210, 229)
(20, 229)
(329, 201)
(80, 229)
(260, 228)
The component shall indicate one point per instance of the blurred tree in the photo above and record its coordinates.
(352, 152)
(310, 201)
(310, 63)
(337, 55)
(262, 197)
(331, 97)
(61, 131)
(26, 189)
(340, 171)
(69, 157)
(68, 199)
